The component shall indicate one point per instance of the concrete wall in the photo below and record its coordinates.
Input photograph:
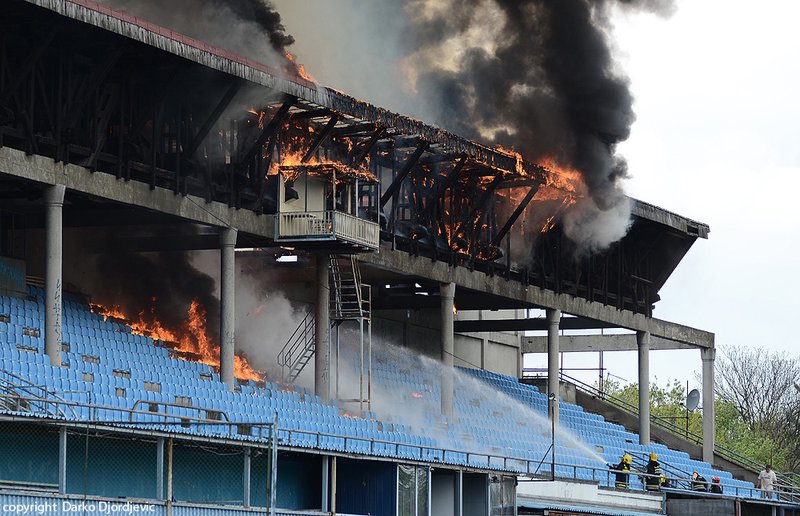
(701, 507)
(419, 330)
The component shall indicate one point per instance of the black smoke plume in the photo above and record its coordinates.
(251, 28)
(544, 83)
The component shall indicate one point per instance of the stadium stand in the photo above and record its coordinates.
(113, 375)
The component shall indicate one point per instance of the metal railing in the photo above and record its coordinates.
(330, 224)
(790, 481)
(298, 350)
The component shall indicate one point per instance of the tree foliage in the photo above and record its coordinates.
(757, 405)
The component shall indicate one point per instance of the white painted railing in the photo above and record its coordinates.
(324, 225)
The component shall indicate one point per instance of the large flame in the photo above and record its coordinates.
(191, 338)
(295, 68)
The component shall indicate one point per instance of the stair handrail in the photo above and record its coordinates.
(26, 387)
(288, 355)
(789, 479)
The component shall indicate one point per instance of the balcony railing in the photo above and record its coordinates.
(326, 225)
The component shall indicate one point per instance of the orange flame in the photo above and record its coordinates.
(192, 337)
(293, 67)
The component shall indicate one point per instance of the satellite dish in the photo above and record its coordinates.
(692, 400)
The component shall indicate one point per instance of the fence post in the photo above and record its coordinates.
(246, 477)
(160, 468)
(62, 460)
(169, 477)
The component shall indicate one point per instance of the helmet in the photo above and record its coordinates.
(627, 459)
(653, 456)
(715, 480)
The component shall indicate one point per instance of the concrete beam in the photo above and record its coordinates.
(532, 297)
(616, 342)
(133, 193)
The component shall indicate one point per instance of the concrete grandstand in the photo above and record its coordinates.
(410, 257)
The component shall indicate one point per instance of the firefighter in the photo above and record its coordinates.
(622, 472)
(699, 483)
(715, 485)
(654, 479)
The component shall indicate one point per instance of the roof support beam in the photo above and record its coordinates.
(531, 296)
(321, 137)
(514, 216)
(583, 343)
(422, 146)
(212, 119)
(268, 131)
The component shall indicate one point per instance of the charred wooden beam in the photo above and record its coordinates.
(311, 113)
(268, 131)
(362, 151)
(515, 215)
(422, 146)
(212, 119)
(348, 130)
(321, 137)
(28, 63)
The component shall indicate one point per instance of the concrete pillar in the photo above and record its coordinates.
(54, 203)
(227, 293)
(447, 292)
(643, 341)
(160, 468)
(708, 356)
(553, 321)
(322, 326)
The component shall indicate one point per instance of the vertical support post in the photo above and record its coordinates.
(54, 203)
(553, 322)
(62, 460)
(322, 324)
(160, 468)
(708, 356)
(447, 293)
(246, 476)
(227, 293)
(169, 477)
(643, 342)
(273, 467)
(459, 493)
(326, 461)
(333, 486)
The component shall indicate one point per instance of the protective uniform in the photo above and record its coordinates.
(715, 486)
(622, 472)
(699, 483)
(653, 483)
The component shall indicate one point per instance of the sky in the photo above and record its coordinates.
(715, 140)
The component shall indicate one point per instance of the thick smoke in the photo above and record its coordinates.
(251, 28)
(543, 82)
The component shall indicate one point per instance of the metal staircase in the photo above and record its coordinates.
(298, 350)
(350, 300)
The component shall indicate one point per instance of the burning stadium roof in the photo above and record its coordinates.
(162, 67)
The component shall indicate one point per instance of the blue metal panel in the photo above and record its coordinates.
(366, 487)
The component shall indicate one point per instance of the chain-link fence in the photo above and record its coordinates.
(134, 463)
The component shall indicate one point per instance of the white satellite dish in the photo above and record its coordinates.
(692, 399)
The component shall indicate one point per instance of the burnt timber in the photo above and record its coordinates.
(124, 111)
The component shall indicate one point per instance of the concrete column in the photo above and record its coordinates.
(325, 483)
(447, 292)
(553, 321)
(227, 293)
(54, 203)
(322, 326)
(643, 341)
(708, 356)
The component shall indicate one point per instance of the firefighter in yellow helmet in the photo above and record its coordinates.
(653, 481)
(622, 472)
